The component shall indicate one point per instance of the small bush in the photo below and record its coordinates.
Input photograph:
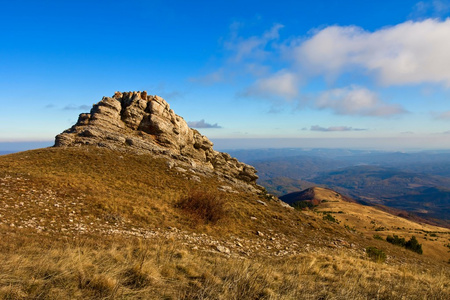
(412, 244)
(203, 205)
(380, 228)
(299, 205)
(376, 254)
(377, 237)
(330, 218)
(395, 240)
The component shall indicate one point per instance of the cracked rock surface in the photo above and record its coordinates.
(142, 123)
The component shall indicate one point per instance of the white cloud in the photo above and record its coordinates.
(335, 128)
(282, 83)
(408, 53)
(356, 100)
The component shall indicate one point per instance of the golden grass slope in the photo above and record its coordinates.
(91, 223)
(371, 221)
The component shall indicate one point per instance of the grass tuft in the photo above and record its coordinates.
(204, 206)
(376, 254)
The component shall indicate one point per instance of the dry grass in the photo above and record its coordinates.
(204, 206)
(371, 221)
(164, 269)
(68, 218)
(97, 187)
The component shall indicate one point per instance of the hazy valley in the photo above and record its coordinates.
(417, 182)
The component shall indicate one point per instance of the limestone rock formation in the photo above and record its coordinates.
(141, 123)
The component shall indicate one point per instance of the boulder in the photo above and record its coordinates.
(136, 121)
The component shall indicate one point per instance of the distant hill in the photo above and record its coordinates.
(297, 167)
(314, 195)
(369, 220)
(279, 186)
(421, 194)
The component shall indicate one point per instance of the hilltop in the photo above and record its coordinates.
(133, 204)
(371, 221)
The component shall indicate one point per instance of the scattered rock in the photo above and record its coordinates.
(261, 202)
(223, 249)
(179, 169)
(196, 178)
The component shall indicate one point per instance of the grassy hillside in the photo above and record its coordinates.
(91, 223)
(370, 221)
(424, 195)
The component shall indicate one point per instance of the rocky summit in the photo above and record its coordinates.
(141, 123)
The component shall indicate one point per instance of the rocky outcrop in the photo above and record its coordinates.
(142, 123)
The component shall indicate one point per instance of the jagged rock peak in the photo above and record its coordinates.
(142, 123)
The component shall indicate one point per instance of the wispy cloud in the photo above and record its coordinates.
(253, 47)
(202, 124)
(211, 78)
(435, 8)
(335, 128)
(76, 107)
(355, 100)
(442, 115)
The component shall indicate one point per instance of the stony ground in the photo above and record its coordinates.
(48, 212)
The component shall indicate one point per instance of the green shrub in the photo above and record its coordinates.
(330, 218)
(376, 254)
(395, 240)
(377, 237)
(303, 204)
(412, 244)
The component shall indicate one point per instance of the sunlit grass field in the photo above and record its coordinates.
(92, 223)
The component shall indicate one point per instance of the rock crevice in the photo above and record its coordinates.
(142, 123)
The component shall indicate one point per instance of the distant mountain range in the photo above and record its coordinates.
(416, 182)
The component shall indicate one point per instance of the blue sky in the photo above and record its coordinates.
(357, 74)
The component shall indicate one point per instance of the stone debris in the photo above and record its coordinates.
(48, 213)
(223, 249)
(261, 202)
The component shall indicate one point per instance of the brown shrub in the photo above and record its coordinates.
(203, 205)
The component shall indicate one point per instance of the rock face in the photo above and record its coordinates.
(141, 123)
